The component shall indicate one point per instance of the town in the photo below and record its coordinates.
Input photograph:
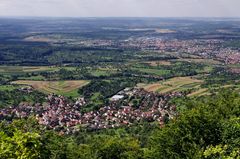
(205, 48)
(59, 115)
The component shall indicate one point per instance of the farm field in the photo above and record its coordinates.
(158, 63)
(199, 60)
(173, 84)
(25, 69)
(66, 88)
(159, 72)
(103, 72)
(34, 78)
(200, 92)
(8, 87)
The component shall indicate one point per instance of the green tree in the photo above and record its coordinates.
(20, 145)
(117, 148)
(196, 129)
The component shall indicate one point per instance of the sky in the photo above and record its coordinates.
(120, 8)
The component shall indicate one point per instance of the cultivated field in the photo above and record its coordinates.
(8, 87)
(25, 69)
(200, 92)
(171, 85)
(165, 31)
(103, 71)
(67, 88)
(158, 63)
(158, 72)
(199, 60)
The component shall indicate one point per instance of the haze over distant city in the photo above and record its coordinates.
(121, 8)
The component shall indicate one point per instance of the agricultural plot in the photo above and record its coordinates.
(174, 84)
(158, 63)
(102, 72)
(34, 78)
(165, 31)
(159, 72)
(66, 88)
(8, 87)
(25, 69)
(200, 92)
(198, 60)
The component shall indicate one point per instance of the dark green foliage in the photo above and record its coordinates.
(220, 76)
(196, 129)
(106, 88)
(175, 70)
(97, 92)
(14, 97)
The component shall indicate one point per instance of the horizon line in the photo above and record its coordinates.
(164, 17)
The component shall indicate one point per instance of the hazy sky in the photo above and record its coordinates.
(121, 8)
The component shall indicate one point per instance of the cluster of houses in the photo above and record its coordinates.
(60, 115)
(205, 48)
(230, 56)
(234, 70)
(121, 110)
